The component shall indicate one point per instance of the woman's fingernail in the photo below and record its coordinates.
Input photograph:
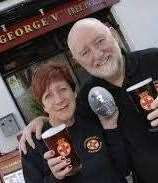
(148, 117)
(62, 157)
(70, 166)
(52, 153)
(68, 161)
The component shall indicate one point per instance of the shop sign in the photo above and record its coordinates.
(52, 19)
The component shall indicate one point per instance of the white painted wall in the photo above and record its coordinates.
(8, 3)
(138, 20)
(7, 106)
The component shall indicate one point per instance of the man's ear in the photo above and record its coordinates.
(114, 34)
(74, 59)
(75, 93)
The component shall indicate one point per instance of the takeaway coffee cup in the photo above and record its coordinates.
(143, 94)
(59, 140)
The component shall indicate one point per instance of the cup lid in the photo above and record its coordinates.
(139, 85)
(52, 131)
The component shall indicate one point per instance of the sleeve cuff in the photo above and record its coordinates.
(113, 136)
(115, 131)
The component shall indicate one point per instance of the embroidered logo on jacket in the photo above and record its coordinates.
(63, 147)
(93, 144)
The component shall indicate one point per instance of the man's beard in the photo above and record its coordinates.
(108, 71)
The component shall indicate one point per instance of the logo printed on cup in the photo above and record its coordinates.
(63, 147)
(146, 100)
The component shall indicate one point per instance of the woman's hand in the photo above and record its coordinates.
(153, 116)
(59, 166)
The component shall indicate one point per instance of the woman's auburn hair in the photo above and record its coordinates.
(46, 73)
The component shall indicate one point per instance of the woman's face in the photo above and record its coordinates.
(59, 102)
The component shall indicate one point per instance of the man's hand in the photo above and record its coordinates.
(35, 126)
(59, 166)
(109, 122)
(153, 116)
(156, 85)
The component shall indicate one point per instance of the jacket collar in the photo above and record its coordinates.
(131, 67)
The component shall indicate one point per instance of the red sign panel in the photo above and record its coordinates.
(52, 19)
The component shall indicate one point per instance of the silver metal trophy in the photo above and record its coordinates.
(101, 101)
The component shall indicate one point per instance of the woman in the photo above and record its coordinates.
(54, 88)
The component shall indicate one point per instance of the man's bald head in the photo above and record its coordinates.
(81, 26)
(94, 47)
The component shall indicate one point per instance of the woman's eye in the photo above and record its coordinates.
(47, 96)
(63, 89)
(84, 53)
(100, 41)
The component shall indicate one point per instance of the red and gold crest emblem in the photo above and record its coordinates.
(93, 144)
(63, 147)
(146, 100)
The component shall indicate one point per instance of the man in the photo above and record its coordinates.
(94, 47)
